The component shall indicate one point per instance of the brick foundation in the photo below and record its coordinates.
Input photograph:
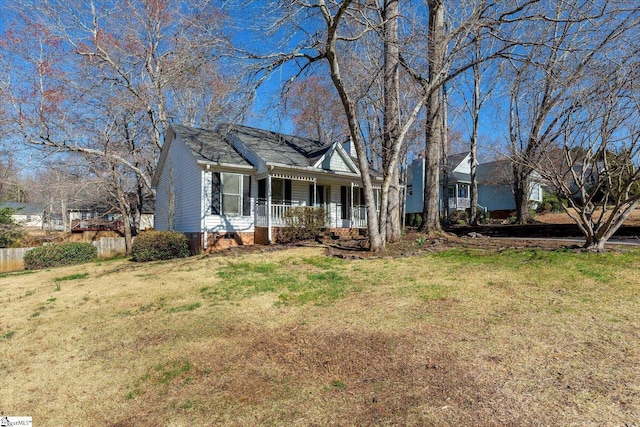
(261, 236)
(218, 241)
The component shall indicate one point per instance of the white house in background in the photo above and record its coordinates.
(495, 192)
(29, 215)
(236, 183)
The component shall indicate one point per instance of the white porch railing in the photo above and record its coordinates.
(459, 203)
(357, 217)
(278, 214)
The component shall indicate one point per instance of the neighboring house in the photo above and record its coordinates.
(147, 213)
(88, 216)
(30, 215)
(495, 188)
(454, 191)
(102, 215)
(237, 183)
(495, 193)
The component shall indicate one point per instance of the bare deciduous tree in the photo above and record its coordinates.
(594, 165)
(315, 109)
(71, 75)
(558, 48)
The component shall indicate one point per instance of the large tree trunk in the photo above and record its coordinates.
(521, 193)
(391, 115)
(433, 153)
(376, 241)
(474, 142)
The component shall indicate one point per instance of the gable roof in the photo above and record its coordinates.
(455, 159)
(24, 208)
(209, 146)
(238, 146)
(273, 147)
(495, 173)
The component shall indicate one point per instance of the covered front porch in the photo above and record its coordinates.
(458, 196)
(356, 216)
(340, 202)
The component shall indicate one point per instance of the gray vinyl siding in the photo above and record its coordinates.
(415, 200)
(496, 197)
(182, 177)
(335, 162)
(334, 208)
(300, 193)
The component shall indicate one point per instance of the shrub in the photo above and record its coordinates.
(10, 231)
(550, 203)
(158, 245)
(59, 254)
(302, 223)
(458, 217)
(481, 216)
(414, 220)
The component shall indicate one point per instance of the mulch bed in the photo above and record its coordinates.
(412, 244)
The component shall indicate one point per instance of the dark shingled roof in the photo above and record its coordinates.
(275, 147)
(455, 159)
(495, 173)
(24, 208)
(209, 145)
(459, 177)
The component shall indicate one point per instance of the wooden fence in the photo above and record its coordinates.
(11, 259)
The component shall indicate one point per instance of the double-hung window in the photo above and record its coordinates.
(230, 194)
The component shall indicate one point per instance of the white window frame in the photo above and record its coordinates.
(224, 194)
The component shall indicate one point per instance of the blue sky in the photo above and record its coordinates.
(264, 112)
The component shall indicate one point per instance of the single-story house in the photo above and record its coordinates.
(237, 183)
(495, 193)
(30, 215)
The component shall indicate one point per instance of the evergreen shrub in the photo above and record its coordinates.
(159, 245)
(56, 255)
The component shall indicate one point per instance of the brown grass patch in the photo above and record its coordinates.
(564, 218)
(463, 337)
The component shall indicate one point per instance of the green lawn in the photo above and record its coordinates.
(459, 337)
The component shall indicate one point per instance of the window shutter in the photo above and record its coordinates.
(246, 195)
(343, 201)
(287, 191)
(262, 189)
(215, 193)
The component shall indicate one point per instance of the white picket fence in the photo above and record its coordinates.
(11, 259)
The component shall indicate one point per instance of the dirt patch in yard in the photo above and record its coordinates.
(414, 243)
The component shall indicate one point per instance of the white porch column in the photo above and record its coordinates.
(457, 195)
(351, 208)
(314, 200)
(269, 236)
